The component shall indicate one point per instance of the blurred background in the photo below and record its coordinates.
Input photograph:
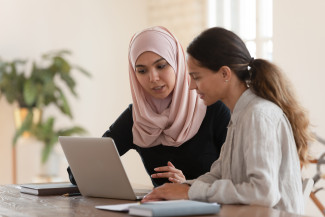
(98, 32)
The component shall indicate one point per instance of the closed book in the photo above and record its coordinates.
(43, 189)
(174, 208)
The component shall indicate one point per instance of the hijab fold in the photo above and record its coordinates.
(175, 119)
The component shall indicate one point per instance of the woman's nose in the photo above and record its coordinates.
(154, 75)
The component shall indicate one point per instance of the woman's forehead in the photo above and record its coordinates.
(148, 55)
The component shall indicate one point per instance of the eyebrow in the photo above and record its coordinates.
(152, 64)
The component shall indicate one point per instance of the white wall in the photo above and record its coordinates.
(184, 18)
(299, 49)
(98, 33)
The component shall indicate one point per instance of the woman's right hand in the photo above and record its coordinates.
(168, 191)
(170, 172)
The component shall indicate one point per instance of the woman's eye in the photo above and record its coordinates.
(140, 70)
(161, 66)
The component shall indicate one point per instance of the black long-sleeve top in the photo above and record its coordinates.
(194, 157)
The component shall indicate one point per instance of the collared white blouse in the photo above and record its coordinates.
(258, 163)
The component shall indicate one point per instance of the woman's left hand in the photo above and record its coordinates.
(171, 172)
(168, 191)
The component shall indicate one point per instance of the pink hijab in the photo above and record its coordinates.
(171, 121)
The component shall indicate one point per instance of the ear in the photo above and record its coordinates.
(226, 73)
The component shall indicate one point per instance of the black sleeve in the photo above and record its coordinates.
(121, 132)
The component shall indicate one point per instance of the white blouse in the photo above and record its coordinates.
(258, 163)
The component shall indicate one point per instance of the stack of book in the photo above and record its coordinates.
(44, 189)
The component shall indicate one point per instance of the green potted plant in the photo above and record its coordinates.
(35, 88)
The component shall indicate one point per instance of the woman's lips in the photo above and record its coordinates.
(158, 88)
(201, 95)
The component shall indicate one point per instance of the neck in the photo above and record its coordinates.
(233, 94)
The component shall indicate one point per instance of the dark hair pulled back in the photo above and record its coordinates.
(217, 47)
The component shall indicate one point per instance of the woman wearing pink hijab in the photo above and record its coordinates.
(175, 134)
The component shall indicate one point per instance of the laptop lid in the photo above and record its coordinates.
(97, 167)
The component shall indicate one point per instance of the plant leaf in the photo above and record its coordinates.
(46, 152)
(56, 53)
(25, 126)
(30, 92)
(63, 104)
(62, 65)
(71, 131)
(69, 82)
(80, 69)
(48, 148)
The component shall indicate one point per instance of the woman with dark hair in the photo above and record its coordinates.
(176, 135)
(268, 134)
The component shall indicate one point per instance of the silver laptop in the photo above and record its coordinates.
(97, 168)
